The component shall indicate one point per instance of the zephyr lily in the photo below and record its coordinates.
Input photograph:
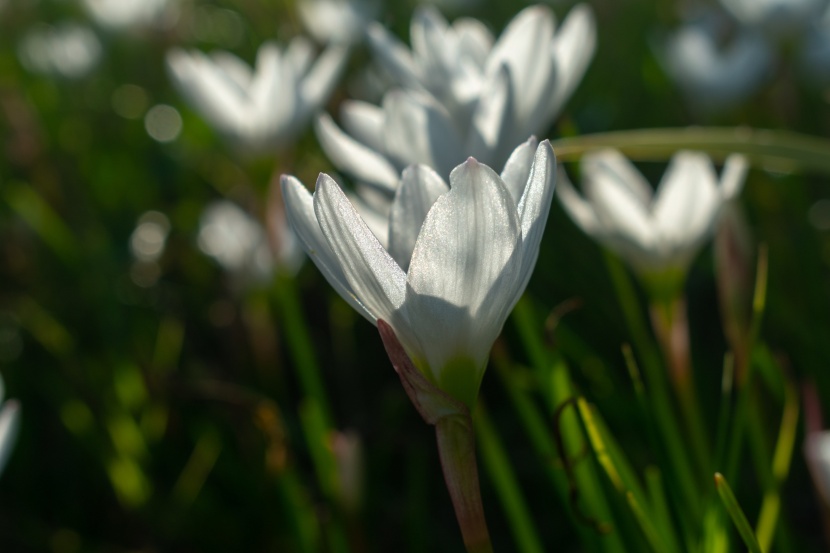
(9, 421)
(465, 95)
(459, 256)
(264, 107)
(337, 21)
(657, 233)
(67, 50)
(712, 77)
(779, 16)
(120, 14)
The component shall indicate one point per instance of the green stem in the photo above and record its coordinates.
(671, 326)
(456, 448)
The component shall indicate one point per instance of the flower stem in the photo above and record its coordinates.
(671, 326)
(456, 448)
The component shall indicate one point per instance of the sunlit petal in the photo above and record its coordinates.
(419, 189)
(371, 272)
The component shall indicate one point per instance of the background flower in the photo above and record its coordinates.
(261, 108)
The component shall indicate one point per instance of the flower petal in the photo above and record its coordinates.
(9, 424)
(376, 279)
(419, 189)
(491, 115)
(299, 209)
(517, 169)
(353, 157)
(299, 54)
(687, 200)
(523, 48)
(733, 176)
(321, 79)
(579, 210)
(364, 121)
(611, 164)
(619, 210)
(463, 271)
(419, 130)
(534, 208)
(572, 50)
(393, 56)
(273, 96)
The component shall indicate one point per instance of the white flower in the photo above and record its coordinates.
(817, 453)
(338, 21)
(9, 421)
(65, 50)
(779, 16)
(240, 244)
(459, 256)
(120, 14)
(465, 96)
(263, 108)
(714, 77)
(656, 233)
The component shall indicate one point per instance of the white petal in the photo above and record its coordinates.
(427, 35)
(579, 210)
(273, 95)
(9, 424)
(419, 130)
(419, 189)
(534, 208)
(364, 121)
(474, 40)
(374, 206)
(687, 201)
(733, 176)
(517, 169)
(322, 78)
(213, 93)
(572, 50)
(393, 56)
(610, 164)
(491, 115)
(353, 157)
(376, 279)
(463, 272)
(523, 48)
(299, 55)
(618, 209)
(299, 209)
(238, 71)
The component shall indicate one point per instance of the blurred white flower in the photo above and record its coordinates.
(67, 50)
(459, 256)
(714, 77)
(337, 21)
(9, 422)
(261, 108)
(240, 245)
(656, 233)
(120, 14)
(779, 16)
(469, 95)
